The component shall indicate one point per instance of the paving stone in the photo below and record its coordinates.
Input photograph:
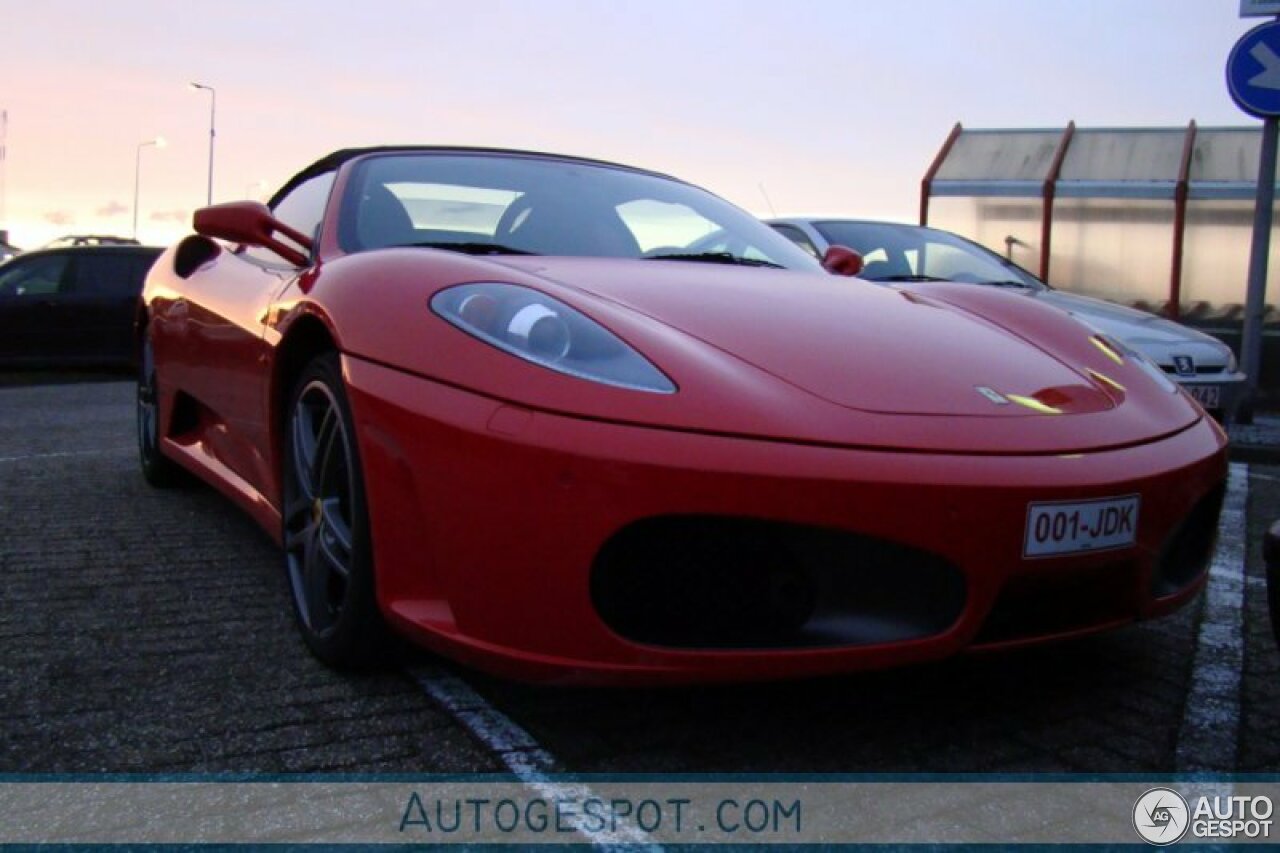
(150, 631)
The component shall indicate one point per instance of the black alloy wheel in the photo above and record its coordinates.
(326, 530)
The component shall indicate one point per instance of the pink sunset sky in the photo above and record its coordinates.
(833, 107)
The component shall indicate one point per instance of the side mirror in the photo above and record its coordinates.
(250, 223)
(841, 260)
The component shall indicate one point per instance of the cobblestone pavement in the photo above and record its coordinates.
(1260, 719)
(150, 631)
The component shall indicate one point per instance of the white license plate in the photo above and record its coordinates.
(1205, 395)
(1070, 528)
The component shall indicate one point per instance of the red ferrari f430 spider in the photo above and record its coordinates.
(565, 420)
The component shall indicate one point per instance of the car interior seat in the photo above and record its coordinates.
(893, 265)
(381, 220)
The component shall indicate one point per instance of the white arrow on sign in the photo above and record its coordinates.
(1269, 77)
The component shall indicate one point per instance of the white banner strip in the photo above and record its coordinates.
(677, 812)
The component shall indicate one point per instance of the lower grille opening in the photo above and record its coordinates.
(1041, 605)
(721, 582)
(1187, 552)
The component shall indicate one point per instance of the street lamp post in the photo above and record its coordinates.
(213, 113)
(158, 142)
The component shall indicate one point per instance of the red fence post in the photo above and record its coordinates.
(1180, 193)
(1047, 193)
(926, 186)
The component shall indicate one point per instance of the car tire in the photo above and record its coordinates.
(327, 551)
(157, 469)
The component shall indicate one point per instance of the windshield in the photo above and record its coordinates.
(513, 204)
(910, 253)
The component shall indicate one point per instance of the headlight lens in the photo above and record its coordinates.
(1232, 364)
(545, 331)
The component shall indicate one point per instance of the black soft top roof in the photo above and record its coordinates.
(332, 161)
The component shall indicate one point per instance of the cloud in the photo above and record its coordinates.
(112, 208)
(59, 217)
(170, 216)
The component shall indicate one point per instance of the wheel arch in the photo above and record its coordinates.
(307, 337)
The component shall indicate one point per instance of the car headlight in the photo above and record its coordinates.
(1232, 364)
(533, 326)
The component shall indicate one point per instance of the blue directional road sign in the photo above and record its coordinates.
(1253, 71)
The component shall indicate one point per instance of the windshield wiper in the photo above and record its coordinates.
(716, 258)
(474, 248)
(906, 277)
(1009, 282)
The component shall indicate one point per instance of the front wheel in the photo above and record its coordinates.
(328, 557)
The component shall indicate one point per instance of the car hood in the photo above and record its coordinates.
(1157, 338)
(773, 354)
(859, 345)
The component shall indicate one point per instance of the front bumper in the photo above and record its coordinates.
(489, 523)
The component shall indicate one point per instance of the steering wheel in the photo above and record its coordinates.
(512, 217)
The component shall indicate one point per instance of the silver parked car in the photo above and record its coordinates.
(891, 252)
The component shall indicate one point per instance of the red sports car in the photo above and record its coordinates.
(530, 411)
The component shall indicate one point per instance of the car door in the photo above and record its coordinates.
(213, 343)
(32, 288)
(207, 342)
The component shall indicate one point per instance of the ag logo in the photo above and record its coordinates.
(1160, 816)
(1185, 365)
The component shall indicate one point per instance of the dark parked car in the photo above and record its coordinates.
(69, 240)
(73, 305)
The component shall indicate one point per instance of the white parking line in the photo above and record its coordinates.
(63, 454)
(518, 750)
(1208, 736)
